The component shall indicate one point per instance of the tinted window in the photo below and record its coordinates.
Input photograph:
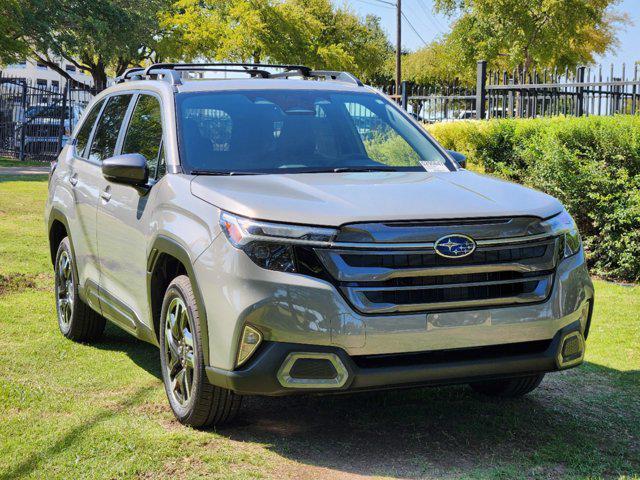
(82, 138)
(292, 131)
(104, 140)
(144, 134)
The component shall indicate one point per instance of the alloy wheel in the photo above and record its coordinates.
(64, 289)
(179, 351)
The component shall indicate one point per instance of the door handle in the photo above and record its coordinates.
(73, 179)
(106, 194)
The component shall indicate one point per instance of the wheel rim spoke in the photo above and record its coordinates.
(190, 360)
(179, 351)
(173, 347)
(188, 338)
(64, 288)
(186, 385)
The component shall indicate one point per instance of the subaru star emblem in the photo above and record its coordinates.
(455, 246)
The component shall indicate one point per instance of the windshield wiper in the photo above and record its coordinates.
(222, 173)
(365, 169)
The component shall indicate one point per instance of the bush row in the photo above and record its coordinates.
(591, 164)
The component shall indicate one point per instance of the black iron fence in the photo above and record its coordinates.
(36, 120)
(516, 94)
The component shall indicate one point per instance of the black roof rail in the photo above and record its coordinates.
(138, 73)
(171, 71)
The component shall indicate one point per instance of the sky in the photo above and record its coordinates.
(429, 26)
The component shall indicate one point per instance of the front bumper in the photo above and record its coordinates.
(297, 309)
(261, 376)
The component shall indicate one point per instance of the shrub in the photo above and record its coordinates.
(591, 164)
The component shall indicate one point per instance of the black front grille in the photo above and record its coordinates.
(446, 280)
(395, 279)
(430, 259)
(452, 355)
(451, 294)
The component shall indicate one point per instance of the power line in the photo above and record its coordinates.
(414, 29)
(383, 2)
(370, 2)
(432, 18)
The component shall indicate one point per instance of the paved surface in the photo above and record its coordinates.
(24, 170)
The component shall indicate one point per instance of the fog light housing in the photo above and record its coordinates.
(571, 350)
(249, 342)
(312, 370)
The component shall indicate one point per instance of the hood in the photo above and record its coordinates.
(333, 199)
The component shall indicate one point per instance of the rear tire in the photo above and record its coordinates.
(76, 320)
(194, 401)
(508, 388)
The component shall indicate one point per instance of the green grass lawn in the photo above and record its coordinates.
(99, 411)
(12, 162)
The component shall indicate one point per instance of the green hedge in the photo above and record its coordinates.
(591, 164)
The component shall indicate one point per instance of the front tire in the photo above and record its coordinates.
(76, 320)
(509, 388)
(194, 401)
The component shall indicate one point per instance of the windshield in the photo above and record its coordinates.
(292, 131)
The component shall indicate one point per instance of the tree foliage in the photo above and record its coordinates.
(310, 32)
(515, 34)
(440, 61)
(522, 33)
(98, 36)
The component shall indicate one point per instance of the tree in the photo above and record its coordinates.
(98, 36)
(522, 33)
(310, 32)
(439, 62)
(12, 48)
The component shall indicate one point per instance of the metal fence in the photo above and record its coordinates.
(516, 94)
(36, 120)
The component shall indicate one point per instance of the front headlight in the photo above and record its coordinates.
(270, 245)
(563, 224)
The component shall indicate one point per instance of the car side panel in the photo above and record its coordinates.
(75, 194)
(126, 241)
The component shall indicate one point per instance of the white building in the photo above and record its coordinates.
(38, 74)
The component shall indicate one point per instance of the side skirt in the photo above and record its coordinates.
(116, 311)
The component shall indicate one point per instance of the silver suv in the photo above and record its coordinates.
(297, 232)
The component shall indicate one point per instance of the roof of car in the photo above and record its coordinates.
(265, 84)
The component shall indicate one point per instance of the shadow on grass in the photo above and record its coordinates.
(72, 436)
(581, 423)
(567, 428)
(143, 354)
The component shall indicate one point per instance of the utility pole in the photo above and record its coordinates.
(398, 45)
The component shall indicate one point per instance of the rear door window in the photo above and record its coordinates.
(108, 128)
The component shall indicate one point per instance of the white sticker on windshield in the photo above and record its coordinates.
(434, 166)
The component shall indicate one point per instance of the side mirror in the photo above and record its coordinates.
(129, 168)
(459, 157)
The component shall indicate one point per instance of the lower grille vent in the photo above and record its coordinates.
(454, 355)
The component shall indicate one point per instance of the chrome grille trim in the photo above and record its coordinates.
(338, 268)
(415, 246)
(357, 296)
(361, 276)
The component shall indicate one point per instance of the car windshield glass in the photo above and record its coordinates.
(292, 131)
